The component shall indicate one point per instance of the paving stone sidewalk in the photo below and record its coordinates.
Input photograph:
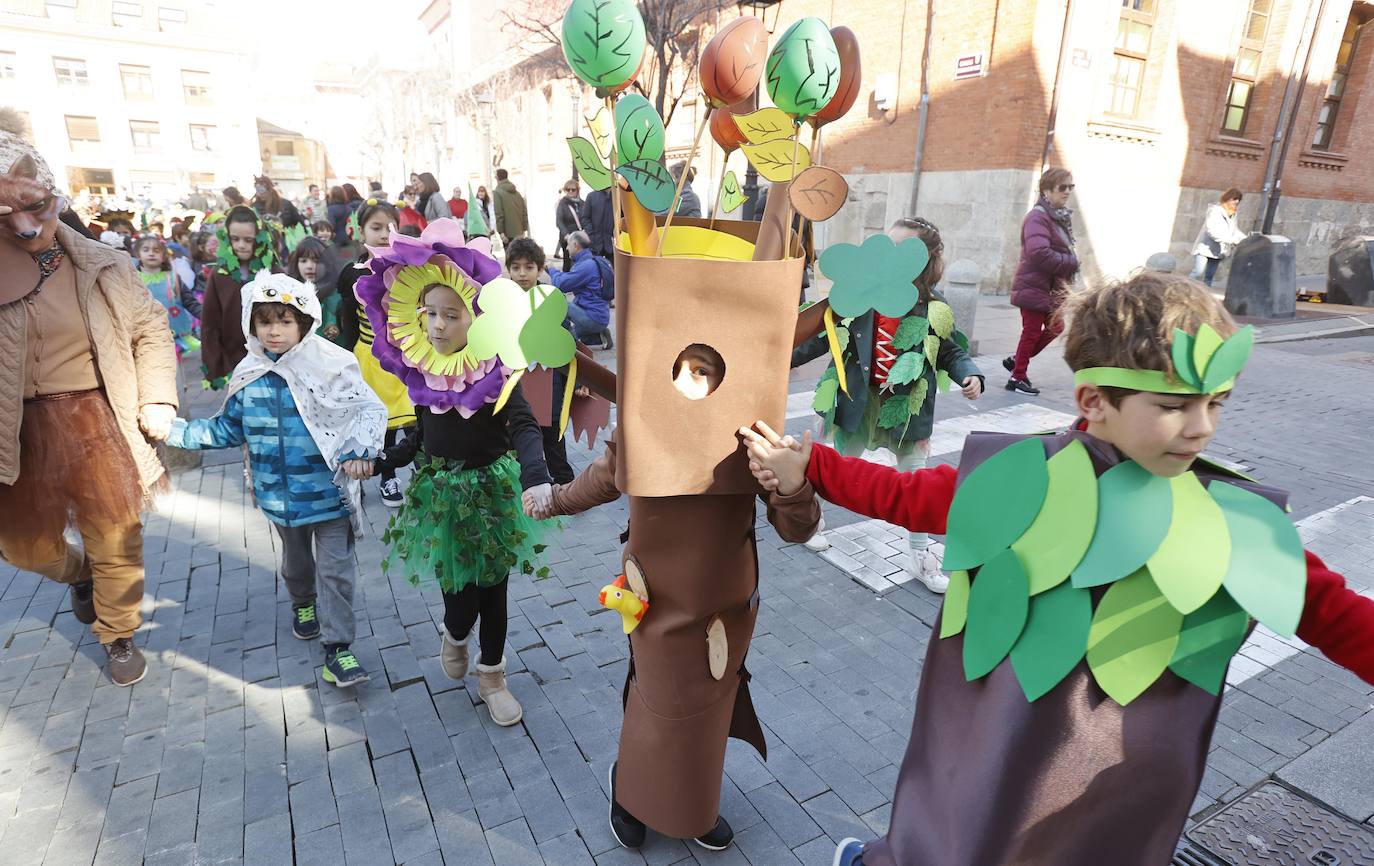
(233, 750)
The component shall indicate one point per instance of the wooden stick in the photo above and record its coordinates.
(787, 213)
(815, 160)
(691, 154)
(615, 183)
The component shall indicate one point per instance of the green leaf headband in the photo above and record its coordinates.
(1205, 364)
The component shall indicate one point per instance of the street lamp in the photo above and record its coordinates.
(486, 114)
(766, 11)
(436, 128)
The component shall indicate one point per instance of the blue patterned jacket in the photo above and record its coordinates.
(292, 481)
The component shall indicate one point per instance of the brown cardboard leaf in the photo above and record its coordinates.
(537, 386)
(818, 193)
(634, 576)
(717, 648)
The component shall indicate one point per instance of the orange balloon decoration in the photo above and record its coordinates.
(733, 61)
(725, 131)
(851, 76)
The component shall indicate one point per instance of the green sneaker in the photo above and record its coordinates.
(304, 624)
(342, 669)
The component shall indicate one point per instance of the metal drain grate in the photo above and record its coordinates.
(1272, 826)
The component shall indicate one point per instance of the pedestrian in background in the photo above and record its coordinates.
(512, 217)
(484, 203)
(1218, 235)
(568, 217)
(688, 205)
(587, 308)
(432, 205)
(313, 206)
(1044, 275)
(598, 222)
(457, 205)
(338, 212)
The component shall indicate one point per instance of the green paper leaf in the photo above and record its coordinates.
(998, 604)
(943, 381)
(731, 196)
(1267, 573)
(1182, 354)
(501, 329)
(1063, 529)
(941, 319)
(1190, 563)
(1205, 344)
(1133, 511)
(1054, 640)
(996, 503)
(916, 401)
(911, 332)
(588, 164)
(907, 367)
(932, 349)
(1210, 636)
(543, 339)
(826, 392)
(842, 336)
(602, 127)
(1134, 634)
(650, 182)
(893, 414)
(638, 130)
(603, 41)
(803, 70)
(1229, 360)
(962, 339)
(875, 276)
(954, 612)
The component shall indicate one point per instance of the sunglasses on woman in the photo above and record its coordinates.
(1066, 187)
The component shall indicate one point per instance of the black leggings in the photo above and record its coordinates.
(461, 610)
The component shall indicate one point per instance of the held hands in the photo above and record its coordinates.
(778, 462)
(155, 420)
(538, 502)
(972, 387)
(358, 470)
(582, 391)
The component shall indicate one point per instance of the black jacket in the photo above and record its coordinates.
(598, 223)
(477, 441)
(568, 216)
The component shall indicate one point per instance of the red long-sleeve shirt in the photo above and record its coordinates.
(1335, 619)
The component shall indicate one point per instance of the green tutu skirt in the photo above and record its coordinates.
(460, 527)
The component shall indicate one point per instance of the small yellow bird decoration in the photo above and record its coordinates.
(619, 597)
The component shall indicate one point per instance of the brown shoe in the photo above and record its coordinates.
(125, 664)
(83, 602)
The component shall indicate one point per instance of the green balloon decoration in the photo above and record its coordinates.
(804, 68)
(603, 41)
(639, 131)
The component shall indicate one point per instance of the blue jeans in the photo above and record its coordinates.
(583, 324)
(1204, 268)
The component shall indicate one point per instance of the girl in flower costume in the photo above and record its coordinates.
(155, 267)
(893, 366)
(1104, 577)
(458, 337)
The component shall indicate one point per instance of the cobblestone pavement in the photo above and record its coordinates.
(233, 750)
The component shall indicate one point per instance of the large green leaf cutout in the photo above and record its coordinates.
(543, 339)
(998, 604)
(1133, 510)
(894, 413)
(1133, 637)
(1063, 529)
(875, 276)
(603, 40)
(907, 367)
(1210, 636)
(1054, 640)
(1205, 344)
(500, 330)
(996, 503)
(941, 319)
(911, 332)
(1182, 354)
(639, 131)
(588, 163)
(1191, 561)
(1267, 574)
(1229, 359)
(954, 612)
(650, 182)
(731, 196)
(932, 349)
(916, 400)
(804, 68)
(826, 392)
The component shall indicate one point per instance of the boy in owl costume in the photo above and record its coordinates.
(1102, 580)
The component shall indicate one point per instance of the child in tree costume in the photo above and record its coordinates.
(893, 365)
(1104, 579)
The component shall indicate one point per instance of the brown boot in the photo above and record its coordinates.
(453, 654)
(125, 663)
(491, 688)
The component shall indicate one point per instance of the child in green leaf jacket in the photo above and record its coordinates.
(893, 367)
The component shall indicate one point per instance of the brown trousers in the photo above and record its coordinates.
(76, 467)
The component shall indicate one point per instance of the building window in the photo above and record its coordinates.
(1335, 91)
(96, 181)
(171, 19)
(1130, 57)
(70, 72)
(147, 135)
(138, 81)
(286, 147)
(196, 87)
(7, 72)
(127, 13)
(62, 10)
(202, 137)
(1245, 74)
(82, 130)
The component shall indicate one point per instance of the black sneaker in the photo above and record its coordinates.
(628, 830)
(391, 493)
(83, 602)
(1009, 362)
(342, 669)
(719, 838)
(1022, 385)
(125, 662)
(304, 624)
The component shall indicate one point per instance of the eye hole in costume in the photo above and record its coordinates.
(698, 371)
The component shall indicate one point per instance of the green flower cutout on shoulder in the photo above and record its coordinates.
(520, 327)
(875, 276)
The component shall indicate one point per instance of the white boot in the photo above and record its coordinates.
(453, 654)
(925, 566)
(818, 542)
(491, 688)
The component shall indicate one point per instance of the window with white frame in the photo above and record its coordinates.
(195, 86)
(202, 137)
(82, 130)
(171, 19)
(146, 134)
(138, 81)
(7, 66)
(126, 13)
(1335, 91)
(70, 72)
(1130, 58)
(1240, 94)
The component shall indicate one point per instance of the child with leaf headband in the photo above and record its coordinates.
(1105, 577)
(247, 247)
(454, 333)
(892, 365)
